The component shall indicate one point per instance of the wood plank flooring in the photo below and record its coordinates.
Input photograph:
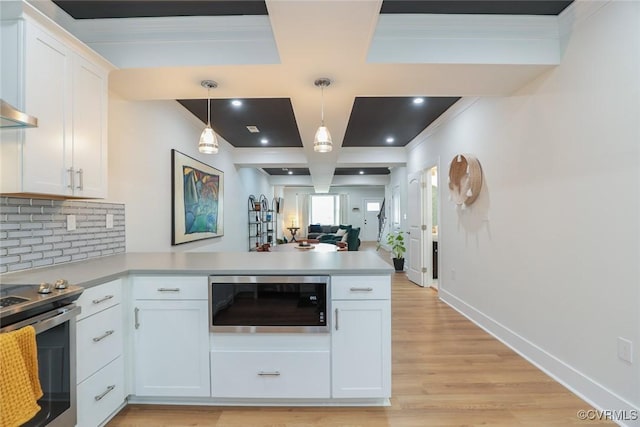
(446, 372)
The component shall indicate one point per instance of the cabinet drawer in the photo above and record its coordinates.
(170, 287)
(99, 341)
(100, 298)
(101, 394)
(360, 287)
(279, 374)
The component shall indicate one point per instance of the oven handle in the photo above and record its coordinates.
(47, 320)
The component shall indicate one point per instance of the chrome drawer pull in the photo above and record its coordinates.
(336, 319)
(168, 289)
(103, 299)
(269, 374)
(100, 396)
(106, 334)
(361, 289)
(136, 321)
(80, 173)
(71, 178)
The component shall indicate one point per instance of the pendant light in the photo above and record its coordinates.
(208, 140)
(322, 142)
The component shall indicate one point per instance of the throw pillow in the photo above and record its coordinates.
(315, 228)
(344, 238)
(341, 232)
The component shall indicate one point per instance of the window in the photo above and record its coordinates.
(325, 209)
(373, 206)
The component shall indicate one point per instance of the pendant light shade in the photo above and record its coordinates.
(208, 140)
(322, 142)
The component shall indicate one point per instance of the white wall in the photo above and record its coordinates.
(141, 136)
(547, 257)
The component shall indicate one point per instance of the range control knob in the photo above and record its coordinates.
(45, 288)
(61, 284)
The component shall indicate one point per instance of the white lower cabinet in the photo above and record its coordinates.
(270, 374)
(101, 394)
(171, 337)
(361, 342)
(99, 361)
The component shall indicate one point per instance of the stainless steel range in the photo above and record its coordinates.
(49, 308)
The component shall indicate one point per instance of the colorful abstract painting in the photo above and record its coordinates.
(197, 200)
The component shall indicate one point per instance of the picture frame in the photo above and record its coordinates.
(197, 197)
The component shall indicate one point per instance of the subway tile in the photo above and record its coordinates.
(18, 218)
(8, 243)
(61, 259)
(62, 245)
(60, 224)
(21, 266)
(31, 241)
(11, 259)
(8, 209)
(41, 217)
(19, 234)
(42, 233)
(42, 262)
(79, 256)
(10, 226)
(52, 254)
(70, 251)
(42, 248)
(30, 257)
(30, 209)
(19, 250)
(41, 202)
(31, 225)
(51, 239)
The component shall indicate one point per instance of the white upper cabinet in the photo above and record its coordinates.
(52, 76)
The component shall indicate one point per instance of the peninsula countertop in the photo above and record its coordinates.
(95, 271)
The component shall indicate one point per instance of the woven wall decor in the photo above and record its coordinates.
(465, 179)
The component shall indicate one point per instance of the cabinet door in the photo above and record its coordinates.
(89, 128)
(361, 349)
(46, 150)
(171, 345)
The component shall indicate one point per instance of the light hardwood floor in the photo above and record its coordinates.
(446, 372)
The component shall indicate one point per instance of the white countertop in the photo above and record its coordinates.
(95, 271)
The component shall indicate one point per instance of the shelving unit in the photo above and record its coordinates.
(262, 222)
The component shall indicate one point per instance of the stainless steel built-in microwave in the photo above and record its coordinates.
(268, 303)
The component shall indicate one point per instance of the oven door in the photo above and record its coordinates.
(268, 304)
(56, 342)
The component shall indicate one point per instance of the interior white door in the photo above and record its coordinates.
(416, 267)
(371, 211)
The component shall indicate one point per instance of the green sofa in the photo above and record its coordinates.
(352, 240)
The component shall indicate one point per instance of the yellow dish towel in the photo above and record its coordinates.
(19, 381)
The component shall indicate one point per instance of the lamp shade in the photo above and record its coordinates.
(322, 142)
(208, 141)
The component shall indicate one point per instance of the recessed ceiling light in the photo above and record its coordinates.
(264, 141)
(290, 172)
(236, 103)
(361, 172)
(418, 100)
(253, 129)
(390, 139)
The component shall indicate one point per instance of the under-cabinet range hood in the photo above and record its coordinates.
(11, 117)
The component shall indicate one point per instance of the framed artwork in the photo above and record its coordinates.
(197, 198)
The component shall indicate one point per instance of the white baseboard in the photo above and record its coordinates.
(584, 387)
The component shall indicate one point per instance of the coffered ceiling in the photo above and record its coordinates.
(378, 55)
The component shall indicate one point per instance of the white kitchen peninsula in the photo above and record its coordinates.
(348, 364)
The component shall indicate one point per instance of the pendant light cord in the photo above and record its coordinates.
(322, 112)
(209, 107)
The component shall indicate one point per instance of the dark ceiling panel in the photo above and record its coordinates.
(272, 116)
(374, 120)
(475, 7)
(365, 171)
(285, 171)
(96, 9)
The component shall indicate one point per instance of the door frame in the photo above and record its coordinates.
(416, 273)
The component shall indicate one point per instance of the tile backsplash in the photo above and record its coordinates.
(33, 232)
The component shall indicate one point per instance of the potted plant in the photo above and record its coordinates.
(395, 240)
